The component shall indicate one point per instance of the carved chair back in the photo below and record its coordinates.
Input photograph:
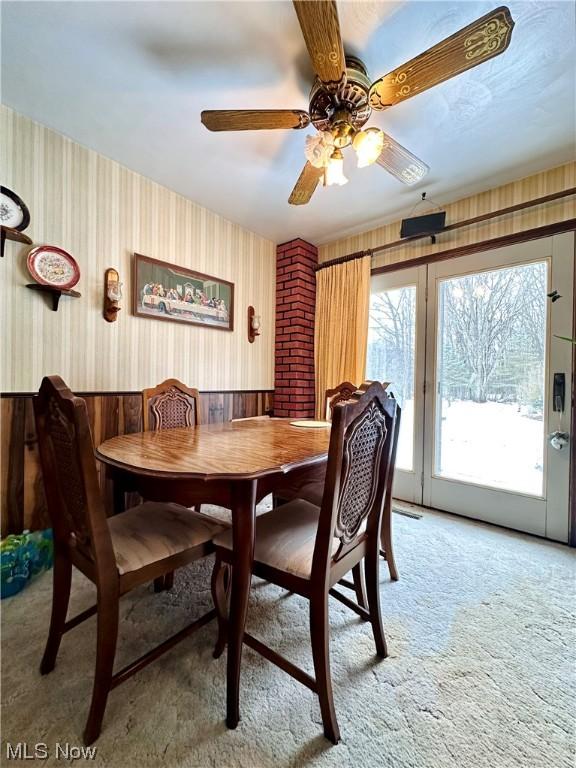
(169, 405)
(357, 476)
(343, 391)
(73, 493)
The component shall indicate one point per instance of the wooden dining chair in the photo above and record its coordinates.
(117, 553)
(307, 550)
(170, 404)
(312, 488)
(338, 394)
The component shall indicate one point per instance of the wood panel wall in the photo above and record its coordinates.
(22, 501)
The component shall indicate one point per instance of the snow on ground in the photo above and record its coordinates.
(406, 440)
(491, 444)
(486, 443)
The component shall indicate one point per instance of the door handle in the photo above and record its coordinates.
(558, 439)
(558, 392)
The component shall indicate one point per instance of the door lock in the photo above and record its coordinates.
(559, 439)
(558, 392)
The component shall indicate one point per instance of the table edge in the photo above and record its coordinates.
(208, 477)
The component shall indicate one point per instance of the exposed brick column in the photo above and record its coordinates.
(295, 306)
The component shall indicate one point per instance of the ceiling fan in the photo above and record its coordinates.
(342, 97)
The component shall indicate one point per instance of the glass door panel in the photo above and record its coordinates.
(490, 366)
(391, 357)
(396, 355)
(491, 354)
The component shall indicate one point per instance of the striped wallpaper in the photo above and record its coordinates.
(102, 213)
(539, 185)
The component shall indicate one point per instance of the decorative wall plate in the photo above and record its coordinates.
(309, 424)
(13, 211)
(52, 266)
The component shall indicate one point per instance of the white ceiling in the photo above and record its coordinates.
(129, 79)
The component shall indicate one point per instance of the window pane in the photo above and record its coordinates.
(391, 340)
(490, 371)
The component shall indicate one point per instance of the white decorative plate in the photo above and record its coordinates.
(49, 265)
(310, 424)
(13, 211)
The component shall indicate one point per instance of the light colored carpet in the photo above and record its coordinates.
(481, 672)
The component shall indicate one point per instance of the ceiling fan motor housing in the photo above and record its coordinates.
(348, 110)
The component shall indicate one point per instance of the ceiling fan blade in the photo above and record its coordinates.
(321, 29)
(480, 41)
(401, 163)
(253, 119)
(306, 184)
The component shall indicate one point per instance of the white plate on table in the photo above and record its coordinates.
(310, 424)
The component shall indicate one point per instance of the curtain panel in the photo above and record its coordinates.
(341, 330)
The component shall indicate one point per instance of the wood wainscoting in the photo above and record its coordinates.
(22, 501)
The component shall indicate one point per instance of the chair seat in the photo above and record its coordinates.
(311, 492)
(154, 531)
(285, 538)
(310, 488)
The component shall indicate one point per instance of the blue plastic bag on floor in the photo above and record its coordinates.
(23, 556)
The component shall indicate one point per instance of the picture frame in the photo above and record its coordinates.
(165, 291)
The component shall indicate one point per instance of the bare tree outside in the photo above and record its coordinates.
(490, 368)
(491, 377)
(391, 345)
(492, 326)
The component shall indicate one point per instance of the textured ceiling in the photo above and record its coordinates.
(129, 79)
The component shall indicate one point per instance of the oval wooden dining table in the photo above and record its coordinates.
(233, 465)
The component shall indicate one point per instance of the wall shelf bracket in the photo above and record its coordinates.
(7, 233)
(55, 293)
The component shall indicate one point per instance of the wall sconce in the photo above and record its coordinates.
(253, 325)
(112, 295)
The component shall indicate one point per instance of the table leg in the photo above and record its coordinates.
(243, 515)
(118, 492)
(116, 479)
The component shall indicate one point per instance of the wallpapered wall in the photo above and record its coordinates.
(102, 213)
(538, 185)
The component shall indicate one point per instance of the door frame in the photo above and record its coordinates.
(526, 235)
(572, 531)
(544, 515)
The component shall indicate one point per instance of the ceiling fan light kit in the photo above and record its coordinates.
(319, 148)
(334, 171)
(368, 145)
(343, 97)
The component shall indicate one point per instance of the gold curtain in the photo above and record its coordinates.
(341, 331)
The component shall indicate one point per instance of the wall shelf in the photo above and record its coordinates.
(12, 234)
(56, 293)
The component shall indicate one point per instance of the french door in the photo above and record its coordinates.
(396, 353)
(471, 350)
